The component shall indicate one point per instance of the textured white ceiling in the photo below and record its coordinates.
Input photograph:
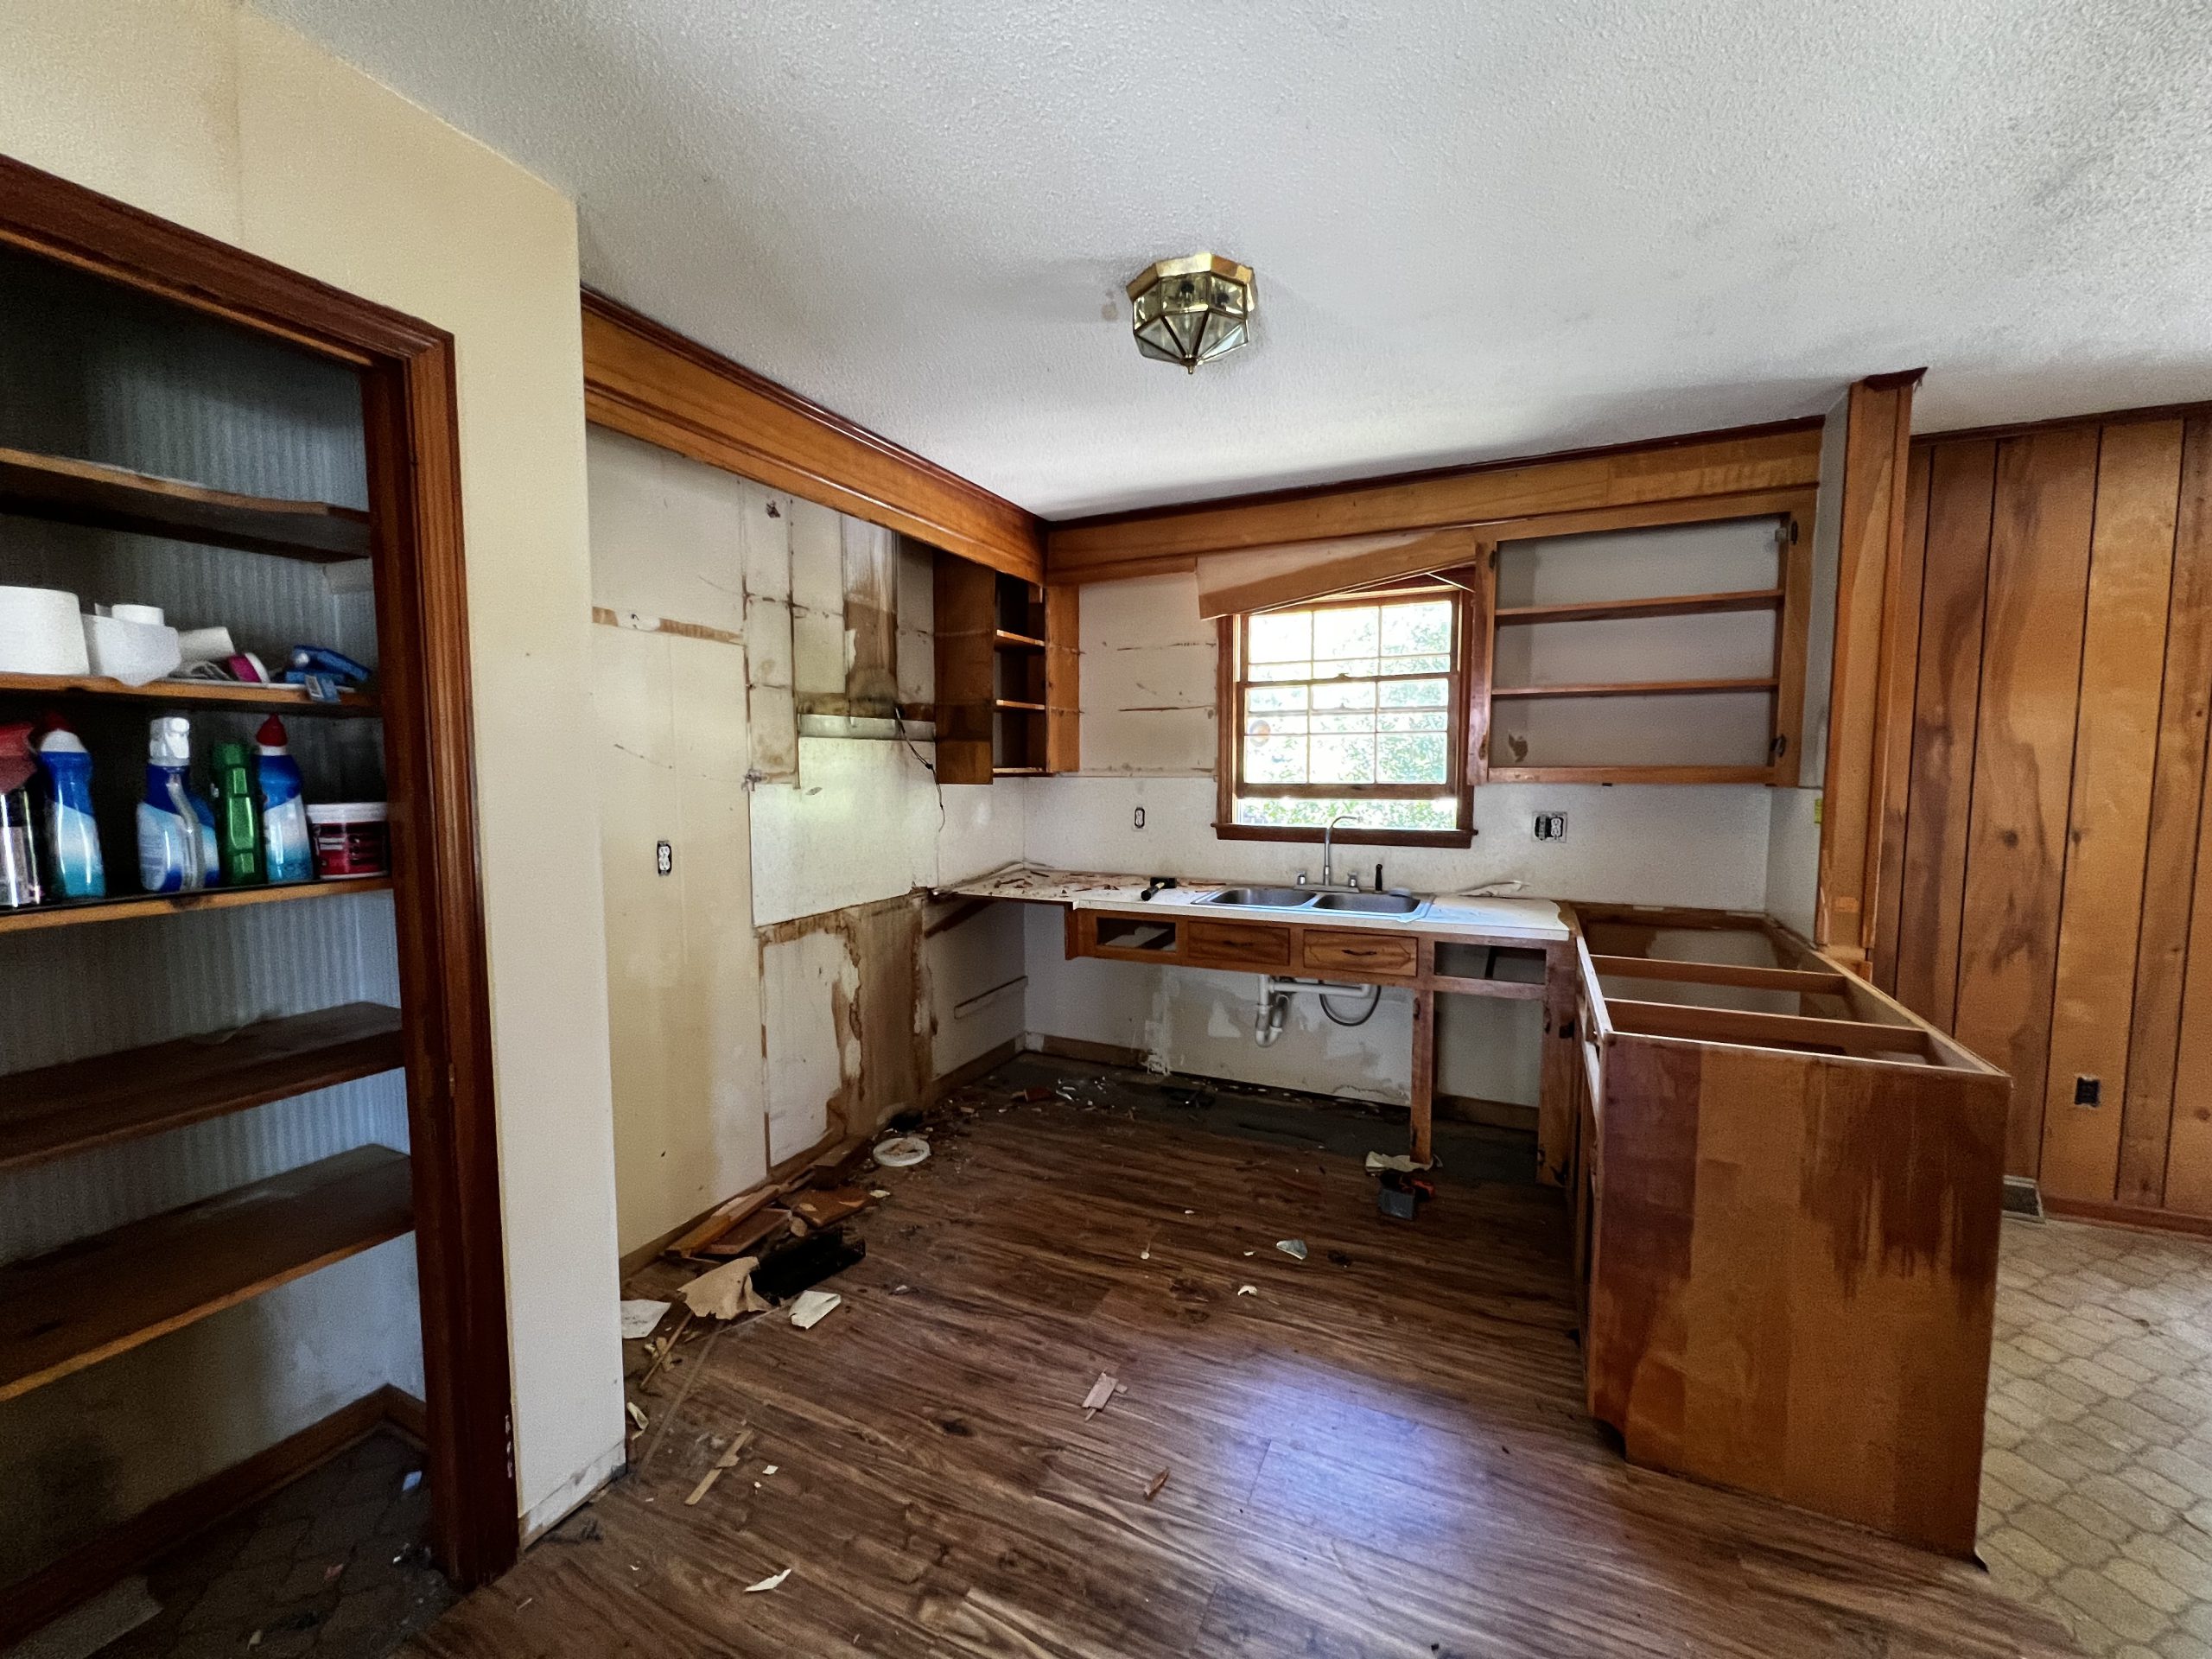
(1480, 229)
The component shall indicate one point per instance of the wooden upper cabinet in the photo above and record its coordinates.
(1007, 675)
(1669, 652)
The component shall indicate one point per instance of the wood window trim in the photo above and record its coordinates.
(1468, 679)
(411, 420)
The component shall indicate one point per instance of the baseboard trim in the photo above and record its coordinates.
(43, 1596)
(1078, 1048)
(1490, 1113)
(960, 1076)
(2126, 1215)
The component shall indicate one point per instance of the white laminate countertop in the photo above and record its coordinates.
(1535, 920)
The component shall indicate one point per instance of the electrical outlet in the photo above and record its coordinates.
(1139, 817)
(1551, 826)
(663, 858)
(2087, 1090)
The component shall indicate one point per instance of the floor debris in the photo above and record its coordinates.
(1152, 1487)
(768, 1583)
(1248, 1290)
(637, 1416)
(905, 1151)
(806, 1264)
(820, 1209)
(639, 1317)
(1295, 1247)
(409, 1481)
(728, 1460)
(724, 1293)
(1101, 1392)
(1397, 1160)
(813, 1307)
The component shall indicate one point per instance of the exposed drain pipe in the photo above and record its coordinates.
(1275, 1004)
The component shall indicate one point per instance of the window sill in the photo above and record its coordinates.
(1345, 837)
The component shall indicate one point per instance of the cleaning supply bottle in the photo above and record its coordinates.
(20, 885)
(176, 828)
(72, 837)
(285, 854)
(237, 824)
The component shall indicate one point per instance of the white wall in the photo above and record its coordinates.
(205, 113)
(721, 605)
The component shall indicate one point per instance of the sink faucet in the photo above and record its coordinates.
(1328, 831)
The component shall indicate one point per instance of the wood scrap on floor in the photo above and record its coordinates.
(1101, 1392)
(1152, 1487)
(821, 1208)
(728, 1460)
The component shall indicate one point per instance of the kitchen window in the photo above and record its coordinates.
(1354, 704)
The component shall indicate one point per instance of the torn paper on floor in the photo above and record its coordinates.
(768, 1583)
(812, 1307)
(1397, 1160)
(639, 1319)
(724, 1293)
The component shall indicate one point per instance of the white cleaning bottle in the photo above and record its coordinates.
(285, 853)
(176, 829)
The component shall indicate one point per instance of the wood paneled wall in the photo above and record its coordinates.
(2054, 911)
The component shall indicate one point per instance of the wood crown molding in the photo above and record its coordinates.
(1508, 496)
(652, 383)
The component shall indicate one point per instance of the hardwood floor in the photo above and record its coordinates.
(1380, 1451)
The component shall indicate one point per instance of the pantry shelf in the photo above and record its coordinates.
(185, 694)
(139, 906)
(115, 498)
(110, 1098)
(106, 1295)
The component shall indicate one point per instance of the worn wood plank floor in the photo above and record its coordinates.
(1381, 1450)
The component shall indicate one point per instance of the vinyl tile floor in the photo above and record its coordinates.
(2096, 1484)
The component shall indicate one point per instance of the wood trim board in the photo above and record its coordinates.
(652, 383)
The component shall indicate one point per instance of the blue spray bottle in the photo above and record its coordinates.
(176, 827)
(285, 853)
(72, 838)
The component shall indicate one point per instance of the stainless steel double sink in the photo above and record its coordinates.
(1392, 906)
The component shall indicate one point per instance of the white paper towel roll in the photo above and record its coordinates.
(134, 652)
(207, 645)
(150, 614)
(40, 633)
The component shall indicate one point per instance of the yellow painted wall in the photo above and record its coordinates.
(208, 115)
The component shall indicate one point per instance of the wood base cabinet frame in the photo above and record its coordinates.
(413, 444)
(1790, 1248)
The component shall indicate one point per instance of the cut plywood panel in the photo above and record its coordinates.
(818, 597)
(664, 534)
(808, 985)
(765, 548)
(871, 607)
(2115, 747)
(1947, 699)
(2172, 863)
(860, 826)
(1148, 673)
(2031, 660)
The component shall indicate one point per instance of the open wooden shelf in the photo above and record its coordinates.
(1006, 641)
(114, 498)
(139, 907)
(1598, 610)
(59, 1109)
(1632, 689)
(104, 1296)
(1683, 775)
(186, 694)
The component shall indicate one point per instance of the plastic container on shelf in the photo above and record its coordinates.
(351, 840)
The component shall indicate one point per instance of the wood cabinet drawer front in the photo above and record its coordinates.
(1373, 956)
(1230, 945)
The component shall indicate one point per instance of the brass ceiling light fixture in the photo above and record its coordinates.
(1194, 309)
